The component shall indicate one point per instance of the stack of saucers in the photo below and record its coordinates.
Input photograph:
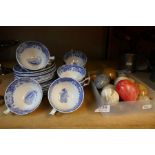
(35, 62)
(43, 76)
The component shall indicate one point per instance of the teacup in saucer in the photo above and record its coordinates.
(72, 71)
(32, 55)
(75, 72)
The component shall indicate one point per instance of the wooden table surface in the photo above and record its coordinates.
(83, 118)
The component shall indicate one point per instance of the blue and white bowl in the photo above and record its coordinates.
(75, 57)
(72, 71)
(23, 96)
(32, 55)
(65, 95)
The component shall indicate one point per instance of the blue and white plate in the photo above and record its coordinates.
(19, 70)
(40, 79)
(65, 95)
(75, 57)
(37, 74)
(23, 96)
(72, 71)
(32, 55)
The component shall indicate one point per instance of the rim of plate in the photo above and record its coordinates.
(34, 71)
(37, 75)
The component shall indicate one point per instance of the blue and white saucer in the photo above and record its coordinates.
(41, 78)
(65, 95)
(32, 55)
(23, 96)
(72, 71)
(19, 70)
(75, 57)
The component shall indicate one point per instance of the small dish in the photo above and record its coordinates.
(23, 96)
(32, 55)
(65, 95)
(72, 71)
(75, 57)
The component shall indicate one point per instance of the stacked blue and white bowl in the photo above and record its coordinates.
(35, 62)
(34, 76)
(66, 93)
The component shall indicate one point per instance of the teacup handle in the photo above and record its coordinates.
(7, 111)
(52, 58)
(53, 111)
(86, 81)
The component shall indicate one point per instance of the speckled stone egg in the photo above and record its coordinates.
(101, 80)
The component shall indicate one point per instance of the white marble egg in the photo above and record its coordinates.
(110, 95)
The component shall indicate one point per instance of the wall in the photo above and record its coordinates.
(91, 40)
(120, 40)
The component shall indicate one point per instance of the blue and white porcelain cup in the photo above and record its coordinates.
(75, 57)
(23, 96)
(72, 71)
(75, 72)
(65, 95)
(33, 55)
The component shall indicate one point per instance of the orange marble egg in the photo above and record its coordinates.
(143, 90)
(111, 72)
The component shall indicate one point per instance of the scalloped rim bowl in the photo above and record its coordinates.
(23, 96)
(75, 57)
(32, 55)
(72, 71)
(65, 95)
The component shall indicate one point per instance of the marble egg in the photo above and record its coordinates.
(109, 86)
(110, 95)
(143, 90)
(101, 81)
(111, 72)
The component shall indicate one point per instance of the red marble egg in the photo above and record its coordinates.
(127, 90)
